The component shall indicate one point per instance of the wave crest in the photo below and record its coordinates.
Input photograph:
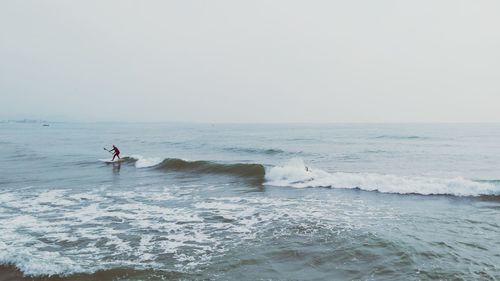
(239, 169)
(296, 174)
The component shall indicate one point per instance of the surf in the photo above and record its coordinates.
(209, 167)
(243, 170)
(296, 174)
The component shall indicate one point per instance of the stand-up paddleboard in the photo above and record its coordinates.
(108, 161)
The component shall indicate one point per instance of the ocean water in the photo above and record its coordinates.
(250, 202)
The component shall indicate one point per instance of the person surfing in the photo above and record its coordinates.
(115, 151)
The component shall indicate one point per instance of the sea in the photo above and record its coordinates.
(193, 201)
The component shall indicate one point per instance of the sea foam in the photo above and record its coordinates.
(145, 162)
(296, 174)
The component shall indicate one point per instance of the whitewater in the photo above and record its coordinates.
(295, 173)
(250, 202)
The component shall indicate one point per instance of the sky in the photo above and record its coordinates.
(251, 61)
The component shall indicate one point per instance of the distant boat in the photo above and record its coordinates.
(45, 125)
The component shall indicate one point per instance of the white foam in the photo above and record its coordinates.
(53, 197)
(145, 162)
(137, 231)
(297, 174)
(36, 262)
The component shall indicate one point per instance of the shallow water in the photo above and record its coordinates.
(250, 202)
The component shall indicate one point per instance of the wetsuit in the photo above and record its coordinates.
(116, 154)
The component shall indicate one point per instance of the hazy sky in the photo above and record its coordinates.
(251, 61)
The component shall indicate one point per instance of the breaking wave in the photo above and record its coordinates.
(296, 174)
(239, 169)
(246, 170)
